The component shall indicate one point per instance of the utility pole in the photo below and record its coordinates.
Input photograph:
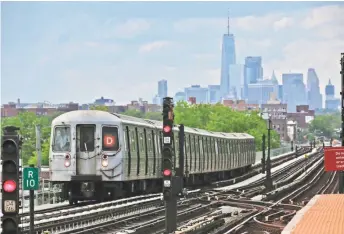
(341, 174)
(268, 161)
(38, 147)
(263, 154)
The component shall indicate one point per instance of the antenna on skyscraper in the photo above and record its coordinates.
(228, 22)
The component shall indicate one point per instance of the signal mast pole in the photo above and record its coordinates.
(341, 173)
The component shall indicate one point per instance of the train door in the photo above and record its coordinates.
(86, 163)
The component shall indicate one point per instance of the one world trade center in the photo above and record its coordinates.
(228, 58)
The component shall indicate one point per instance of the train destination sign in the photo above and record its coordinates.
(334, 159)
(109, 141)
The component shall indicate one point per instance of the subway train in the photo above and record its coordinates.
(98, 155)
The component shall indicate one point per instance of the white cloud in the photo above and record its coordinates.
(287, 42)
(205, 56)
(283, 23)
(156, 45)
(246, 23)
(324, 15)
(127, 29)
(256, 23)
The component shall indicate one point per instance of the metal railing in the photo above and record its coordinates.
(273, 152)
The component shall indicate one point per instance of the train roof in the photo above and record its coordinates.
(95, 116)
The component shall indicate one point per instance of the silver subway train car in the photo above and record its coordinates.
(97, 155)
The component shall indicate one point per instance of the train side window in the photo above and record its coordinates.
(61, 139)
(186, 153)
(125, 141)
(192, 152)
(141, 140)
(157, 144)
(133, 141)
(216, 147)
(127, 131)
(110, 138)
(86, 137)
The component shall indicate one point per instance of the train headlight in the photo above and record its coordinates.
(67, 163)
(105, 163)
(67, 160)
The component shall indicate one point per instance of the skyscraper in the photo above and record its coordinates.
(228, 58)
(236, 74)
(294, 91)
(162, 88)
(314, 97)
(331, 103)
(253, 71)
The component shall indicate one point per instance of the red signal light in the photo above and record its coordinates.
(9, 186)
(167, 172)
(167, 129)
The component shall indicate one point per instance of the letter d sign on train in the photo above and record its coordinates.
(109, 141)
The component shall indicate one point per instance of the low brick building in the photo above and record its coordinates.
(240, 105)
(302, 116)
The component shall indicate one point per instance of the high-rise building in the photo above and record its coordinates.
(214, 94)
(228, 58)
(162, 88)
(196, 91)
(259, 93)
(314, 96)
(331, 103)
(157, 100)
(179, 96)
(236, 74)
(280, 93)
(253, 71)
(294, 90)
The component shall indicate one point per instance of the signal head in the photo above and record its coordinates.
(9, 166)
(9, 186)
(167, 172)
(9, 146)
(167, 129)
(9, 225)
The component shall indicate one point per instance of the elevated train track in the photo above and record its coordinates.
(87, 223)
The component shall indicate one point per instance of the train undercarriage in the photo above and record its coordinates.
(89, 187)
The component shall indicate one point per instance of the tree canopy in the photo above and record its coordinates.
(325, 125)
(27, 121)
(220, 118)
(99, 107)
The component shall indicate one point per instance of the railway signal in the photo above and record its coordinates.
(169, 185)
(167, 151)
(10, 180)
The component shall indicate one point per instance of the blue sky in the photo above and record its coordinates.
(75, 51)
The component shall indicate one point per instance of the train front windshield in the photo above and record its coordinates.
(61, 142)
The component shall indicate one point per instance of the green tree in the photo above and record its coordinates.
(26, 121)
(134, 113)
(153, 116)
(99, 107)
(325, 125)
(219, 118)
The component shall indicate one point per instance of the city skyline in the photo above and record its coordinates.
(88, 53)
